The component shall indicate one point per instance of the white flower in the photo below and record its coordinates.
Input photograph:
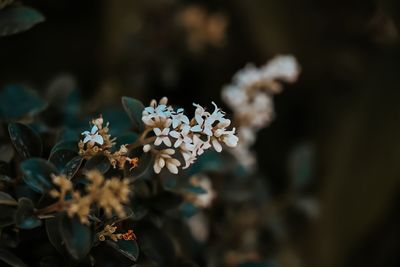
(146, 148)
(200, 145)
(93, 136)
(284, 68)
(181, 136)
(178, 118)
(162, 137)
(164, 158)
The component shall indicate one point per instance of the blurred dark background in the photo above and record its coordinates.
(345, 105)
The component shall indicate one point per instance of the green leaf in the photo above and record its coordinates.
(17, 101)
(156, 245)
(301, 164)
(11, 259)
(25, 217)
(188, 209)
(78, 238)
(7, 215)
(65, 145)
(10, 237)
(61, 158)
(73, 166)
(26, 141)
(118, 120)
(134, 109)
(128, 248)
(37, 174)
(125, 139)
(145, 161)
(100, 163)
(15, 19)
(7, 209)
(54, 233)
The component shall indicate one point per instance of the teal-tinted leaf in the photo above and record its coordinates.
(68, 134)
(61, 158)
(65, 145)
(301, 164)
(118, 119)
(25, 217)
(188, 209)
(100, 163)
(54, 234)
(78, 237)
(125, 139)
(11, 259)
(134, 109)
(17, 101)
(196, 189)
(37, 174)
(15, 19)
(73, 166)
(26, 141)
(128, 248)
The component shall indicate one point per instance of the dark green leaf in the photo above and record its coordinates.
(134, 109)
(65, 145)
(7, 215)
(61, 158)
(37, 174)
(25, 217)
(156, 245)
(73, 166)
(145, 161)
(128, 248)
(78, 238)
(17, 101)
(10, 237)
(11, 259)
(15, 19)
(301, 166)
(52, 261)
(54, 234)
(100, 163)
(26, 141)
(7, 209)
(125, 139)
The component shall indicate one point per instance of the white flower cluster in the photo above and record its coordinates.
(175, 132)
(250, 96)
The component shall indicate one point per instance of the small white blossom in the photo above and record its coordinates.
(181, 136)
(162, 137)
(146, 148)
(93, 136)
(178, 118)
(164, 159)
